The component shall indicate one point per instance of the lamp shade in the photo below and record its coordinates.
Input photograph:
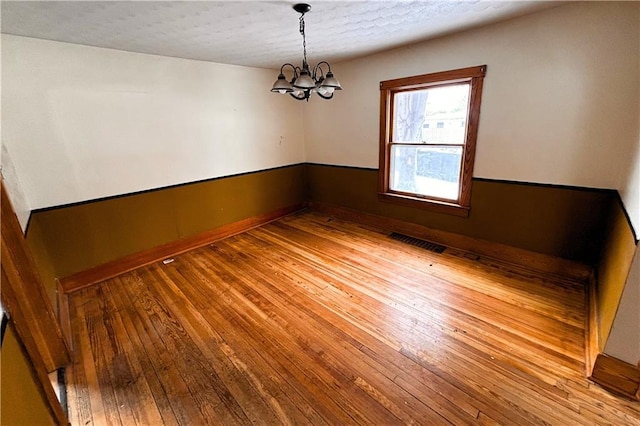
(304, 81)
(282, 85)
(332, 82)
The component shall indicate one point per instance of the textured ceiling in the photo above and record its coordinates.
(253, 33)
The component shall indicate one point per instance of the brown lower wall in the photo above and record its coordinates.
(73, 238)
(558, 221)
(613, 269)
(22, 401)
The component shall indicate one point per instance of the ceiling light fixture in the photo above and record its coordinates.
(304, 81)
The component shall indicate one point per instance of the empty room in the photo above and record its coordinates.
(341, 212)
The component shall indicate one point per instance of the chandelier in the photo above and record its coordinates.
(304, 82)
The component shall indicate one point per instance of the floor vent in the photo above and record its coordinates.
(437, 248)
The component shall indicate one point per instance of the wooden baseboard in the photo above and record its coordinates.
(503, 252)
(616, 376)
(125, 264)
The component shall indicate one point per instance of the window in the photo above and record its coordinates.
(426, 159)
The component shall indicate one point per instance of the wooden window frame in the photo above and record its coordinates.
(388, 89)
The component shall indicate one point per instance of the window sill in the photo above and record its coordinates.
(425, 204)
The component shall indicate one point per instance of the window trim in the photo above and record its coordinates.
(388, 89)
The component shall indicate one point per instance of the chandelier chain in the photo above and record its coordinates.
(304, 39)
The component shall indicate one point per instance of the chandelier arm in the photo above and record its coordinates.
(296, 71)
(284, 65)
(319, 68)
(315, 75)
(323, 62)
(325, 97)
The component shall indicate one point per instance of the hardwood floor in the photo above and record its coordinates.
(313, 320)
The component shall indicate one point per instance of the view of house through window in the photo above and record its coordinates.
(428, 134)
(428, 137)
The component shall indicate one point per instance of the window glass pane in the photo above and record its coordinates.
(408, 115)
(435, 115)
(426, 170)
(445, 115)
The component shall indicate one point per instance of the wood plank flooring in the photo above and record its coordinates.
(313, 320)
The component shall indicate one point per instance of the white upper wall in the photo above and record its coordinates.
(81, 122)
(14, 188)
(559, 104)
(630, 192)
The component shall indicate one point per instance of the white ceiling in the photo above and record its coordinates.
(252, 33)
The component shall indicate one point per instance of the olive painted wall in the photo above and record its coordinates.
(22, 403)
(559, 221)
(613, 269)
(69, 239)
